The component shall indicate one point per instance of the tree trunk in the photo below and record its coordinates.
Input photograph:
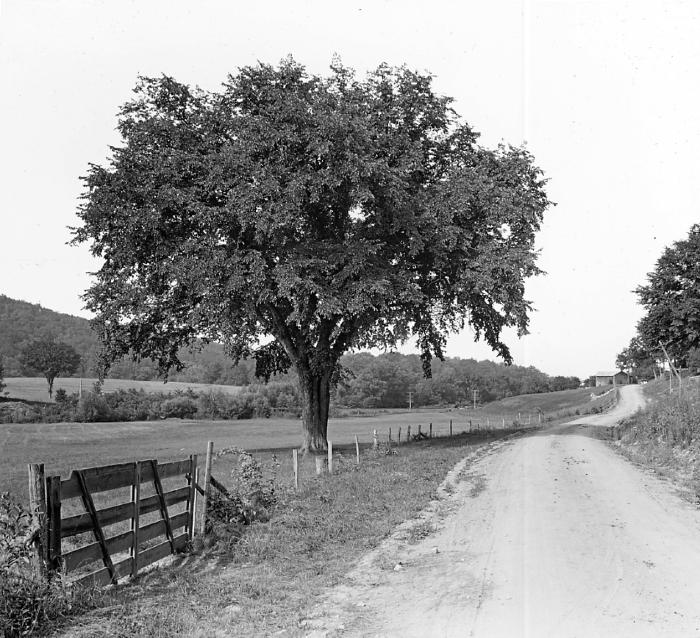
(315, 400)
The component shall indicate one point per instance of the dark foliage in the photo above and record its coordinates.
(671, 299)
(49, 358)
(329, 213)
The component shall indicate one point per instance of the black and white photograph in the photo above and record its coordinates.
(350, 319)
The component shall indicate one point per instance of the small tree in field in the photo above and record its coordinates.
(50, 358)
(324, 214)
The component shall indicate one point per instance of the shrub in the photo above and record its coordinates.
(179, 407)
(252, 494)
(94, 407)
(245, 405)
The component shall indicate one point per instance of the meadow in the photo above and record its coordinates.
(66, 446)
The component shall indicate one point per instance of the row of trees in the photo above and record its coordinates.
(386, 381)
(671, 299)
(392, 380)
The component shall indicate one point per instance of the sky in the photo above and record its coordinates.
(603, 92)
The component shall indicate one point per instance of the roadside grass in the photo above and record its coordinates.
(264, 582)
(665, 435)
(36, 388)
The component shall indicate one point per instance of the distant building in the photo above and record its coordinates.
(612, 378)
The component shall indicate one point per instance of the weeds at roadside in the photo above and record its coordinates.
(28, 603)
(666, 438)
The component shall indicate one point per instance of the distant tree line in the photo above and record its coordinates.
(385, 381)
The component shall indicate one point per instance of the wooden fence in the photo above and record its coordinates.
(123, 553)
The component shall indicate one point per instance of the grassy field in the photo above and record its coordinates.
(65, 446)
(36, 388)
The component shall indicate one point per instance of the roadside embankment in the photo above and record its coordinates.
(665, 435)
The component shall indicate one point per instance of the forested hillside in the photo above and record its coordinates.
(20, 322)
(368, 381)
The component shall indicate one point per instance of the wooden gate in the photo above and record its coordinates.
(121, 553)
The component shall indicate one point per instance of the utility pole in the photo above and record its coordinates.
(410, 400)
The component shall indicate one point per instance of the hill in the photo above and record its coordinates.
(20, 322)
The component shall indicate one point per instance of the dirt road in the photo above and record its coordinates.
(550, 535)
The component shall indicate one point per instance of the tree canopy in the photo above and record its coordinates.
(671, 299)
(49, 358)
(324, 213)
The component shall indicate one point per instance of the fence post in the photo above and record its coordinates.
(192, 499)
(430, 435)
(330, 457)
(450, 427)
(53, 506)
(408, 434)
(295, 465)
(389, 436)
(375, 440)
(419, 432)
(357, 450)
(504, 423)
(135, 520)
(399, 441)
(37, 504)
(207, 481)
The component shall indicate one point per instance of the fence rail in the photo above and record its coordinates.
(49, 493)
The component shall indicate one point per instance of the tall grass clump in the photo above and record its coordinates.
(666, 437)
(669, 421)
(28, 602)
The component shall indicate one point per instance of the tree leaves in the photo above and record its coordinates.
(329, 213)
(672, 299)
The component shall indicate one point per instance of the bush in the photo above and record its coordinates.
(94, 407)
(251, 497)
(179, 407)
(245, 405)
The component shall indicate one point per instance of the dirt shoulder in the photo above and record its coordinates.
(551, 534)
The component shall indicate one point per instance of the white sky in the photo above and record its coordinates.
(605, 92)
